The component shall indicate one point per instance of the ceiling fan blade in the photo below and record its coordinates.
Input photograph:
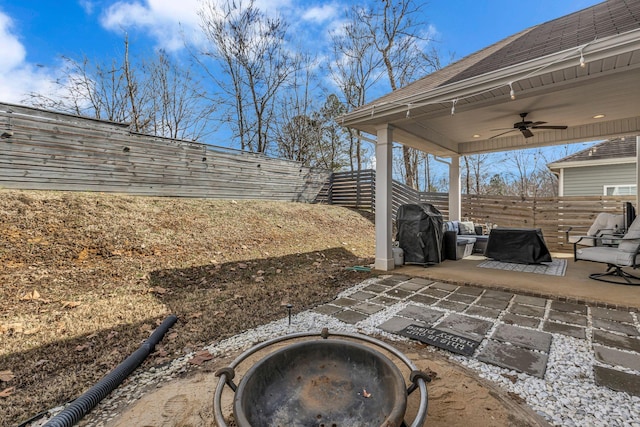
(495, 130)
(549, 127)
(527, 133)
(503, 133)
(534, 124)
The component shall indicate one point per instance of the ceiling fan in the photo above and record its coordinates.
(524, 126)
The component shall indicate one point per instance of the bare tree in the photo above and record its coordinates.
(180, 108)
(154, 96)
(354, 70)
(250, 48)
(391, 29)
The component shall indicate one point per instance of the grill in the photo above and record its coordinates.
(324, 383)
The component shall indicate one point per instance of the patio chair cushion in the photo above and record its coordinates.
(606, 223)
(467, 228)
(607, 255)
(631, 239)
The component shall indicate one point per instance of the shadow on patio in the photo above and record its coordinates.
(574, 286)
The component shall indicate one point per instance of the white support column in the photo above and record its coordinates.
(455, 205)
(384, 187)
(561, 183)
(637, 172)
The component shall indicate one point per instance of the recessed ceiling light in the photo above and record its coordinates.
(476, 136)
(598, 116)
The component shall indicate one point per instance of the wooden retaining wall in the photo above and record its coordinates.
(42, 150)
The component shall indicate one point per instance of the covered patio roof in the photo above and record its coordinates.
(581, 71)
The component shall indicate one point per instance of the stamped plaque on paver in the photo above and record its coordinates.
(442, 339)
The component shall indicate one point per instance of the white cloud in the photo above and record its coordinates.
(167, 21)
(17, 77)
(320, 14)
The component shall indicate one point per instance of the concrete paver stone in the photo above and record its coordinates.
(535, 301)
(513, 357)
(344, 302)
(534, 340)
(561, 328)
(569, 307)
(526, 310)
(615, 357)
(328, 309)
(396, 324)
(362, 296)
(466, 326)
(617, 315)
(397, 293)
(368, 308)
(444, 286)
(350, 316)
(411, 286)
(572, 318)
(492, 303)
(384, 300)
(427, 315)
(514, 319)
(467, 299)
(499, 295)
(476, 310)
(469, 290)
(436, 293)
(423, 299)
(451, 305)
(610, 325)
(421, 281)
(617, 380)
(615, 340)
(375, 288)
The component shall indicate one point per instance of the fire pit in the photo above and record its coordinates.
(324, 383)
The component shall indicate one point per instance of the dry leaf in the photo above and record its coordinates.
(70, 304)
(172, 336)
(112, 335)
(201, 357)
(7, 392)
(30, 296)
(259, 279)
(158, 290)
(6, 376)
(242, 266)
(82, 347)
(195, 315)
(83, 254)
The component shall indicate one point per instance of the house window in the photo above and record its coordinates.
(619, 190)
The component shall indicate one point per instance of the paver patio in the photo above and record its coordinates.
(515, 331)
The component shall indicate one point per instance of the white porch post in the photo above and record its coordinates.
(384, 186)
(455, 205)
(638, 172)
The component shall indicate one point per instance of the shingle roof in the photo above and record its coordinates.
(610, 149)
(601, 20)
(605, 19)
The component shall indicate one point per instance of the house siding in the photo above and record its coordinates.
(590, 180)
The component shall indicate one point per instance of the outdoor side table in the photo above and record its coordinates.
(518, 245)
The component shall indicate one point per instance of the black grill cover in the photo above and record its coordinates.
(420, 233)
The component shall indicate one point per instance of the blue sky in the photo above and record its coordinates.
(34, 34)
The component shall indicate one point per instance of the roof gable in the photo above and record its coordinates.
(614, 148)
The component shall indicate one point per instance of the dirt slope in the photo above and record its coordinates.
(85, 277)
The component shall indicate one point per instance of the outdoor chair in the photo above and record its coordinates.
(606, 230)
(625, 255)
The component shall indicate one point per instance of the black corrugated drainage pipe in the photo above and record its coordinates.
(83, 404)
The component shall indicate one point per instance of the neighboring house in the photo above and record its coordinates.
(607, 168)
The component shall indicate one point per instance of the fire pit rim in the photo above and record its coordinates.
(226, 375)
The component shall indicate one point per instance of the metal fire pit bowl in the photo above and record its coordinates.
(323, 383)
